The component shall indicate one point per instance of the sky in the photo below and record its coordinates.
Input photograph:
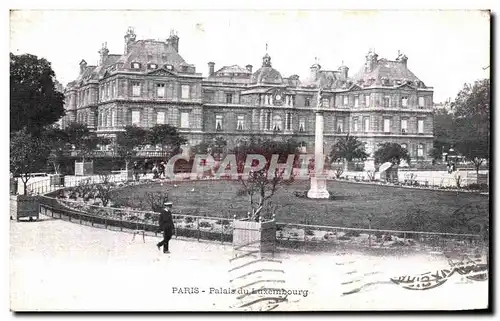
(445, 48)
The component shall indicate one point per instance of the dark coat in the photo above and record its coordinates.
(166, 222)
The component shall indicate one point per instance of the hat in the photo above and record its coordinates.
(168, 203)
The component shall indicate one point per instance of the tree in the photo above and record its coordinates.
(266, 148)
(83, 140)
(215, 147)
(128, 141)
(472, 121)
(28, 154)
(34, 100)
(260, 186)
(58, 140)
(443, 132)
(391, 152)
(347, 149)
(167, 137)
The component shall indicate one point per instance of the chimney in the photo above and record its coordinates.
(211, 67)
(315, 71)
(129, 39)
(83, 65)
(249, 67)
(344, 71)
(371, 61)
(173, 40)
(103, 53)
(402, 59)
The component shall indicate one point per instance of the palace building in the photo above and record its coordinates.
(150, 83)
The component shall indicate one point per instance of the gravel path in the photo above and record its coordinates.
(57, 265)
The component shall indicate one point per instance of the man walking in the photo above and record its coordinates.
(166, 224)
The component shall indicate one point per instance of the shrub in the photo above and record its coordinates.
(344, 238)
(475, 186)
(352, 233)
(309, 232)
(204, 224)
(189, 219)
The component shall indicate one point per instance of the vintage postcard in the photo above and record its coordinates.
(249, 160)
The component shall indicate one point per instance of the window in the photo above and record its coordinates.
(184, 119)
(160, 90)
(185, 91)
(404, 101)
(367, 100)
(307, 101)
(288, 121)
(153, 66)
(366, 124)
(229, 98)
(387, 125)
(346, 100)
(240, 122)
(169, 67)
(267, 124)
(160, 117)
(421, 102)
(302, 124)
(277, 123)
(218, 122)
(136, 65)
(356, 101)
(136, 89)
(209, 96)
(340, 125)
(404, 126)
(113, 118)
(108, 90)
(420, 125)
(387, 101)
(136, 117)
(420, 150)
(355, 124)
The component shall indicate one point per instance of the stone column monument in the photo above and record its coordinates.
(318, 179)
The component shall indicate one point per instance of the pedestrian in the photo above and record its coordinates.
(161, 170)
(166, 225)
(155, 171)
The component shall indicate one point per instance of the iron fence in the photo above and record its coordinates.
(304, 237)
(130, 220)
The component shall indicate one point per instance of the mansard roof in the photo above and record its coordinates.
(395, 72)
(152, 51)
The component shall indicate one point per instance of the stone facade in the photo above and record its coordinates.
(150, 83)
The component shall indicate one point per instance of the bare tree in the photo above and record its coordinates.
(156, 200)
(260, 189)
(105, 188)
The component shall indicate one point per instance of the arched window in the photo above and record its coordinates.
(420, 150)
(277, 123)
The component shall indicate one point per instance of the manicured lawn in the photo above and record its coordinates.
(391, 207)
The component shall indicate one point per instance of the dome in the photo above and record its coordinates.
(266, 74)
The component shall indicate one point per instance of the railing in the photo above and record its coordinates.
(309, 237)
(298, 236)
(129, 220)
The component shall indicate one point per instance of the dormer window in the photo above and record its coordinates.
(136, 65)
(184, 68)
(153, 66)
(170, 67)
